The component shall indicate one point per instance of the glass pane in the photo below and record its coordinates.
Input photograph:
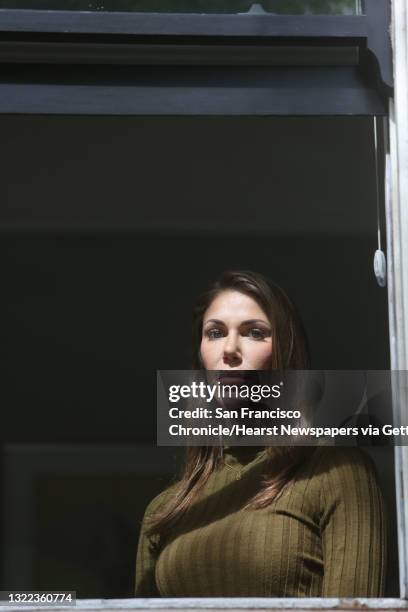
(279, 7)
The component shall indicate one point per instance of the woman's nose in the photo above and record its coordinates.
(232, 351)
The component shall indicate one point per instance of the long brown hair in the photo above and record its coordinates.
(290, 351)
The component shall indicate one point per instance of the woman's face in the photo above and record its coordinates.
(236, 334)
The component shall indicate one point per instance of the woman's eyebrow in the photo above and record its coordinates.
(246, 322)
(251, 321)
(218, 321)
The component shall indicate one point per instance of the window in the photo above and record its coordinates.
(67, 74)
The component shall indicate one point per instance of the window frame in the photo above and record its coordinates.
(397, 265)
(52, 38)
(17, 26)
(58, 33)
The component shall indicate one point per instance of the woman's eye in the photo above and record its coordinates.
(214, 333)
(257, 334)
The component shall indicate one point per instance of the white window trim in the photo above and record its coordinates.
(397, 248)
(216, 604)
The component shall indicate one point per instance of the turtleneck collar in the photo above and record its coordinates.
(242, 454)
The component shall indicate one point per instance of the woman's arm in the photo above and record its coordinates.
(353, 526)
(145, 583)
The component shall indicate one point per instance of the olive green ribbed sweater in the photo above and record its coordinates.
(324, 537)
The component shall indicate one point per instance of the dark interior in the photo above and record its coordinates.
(111, 228)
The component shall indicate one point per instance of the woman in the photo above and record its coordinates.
(256, 522)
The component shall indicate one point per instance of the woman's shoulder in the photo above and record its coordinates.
(160, 499)
(331, 458)
(344, 471)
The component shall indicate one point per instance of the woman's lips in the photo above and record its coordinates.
(232, 378)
